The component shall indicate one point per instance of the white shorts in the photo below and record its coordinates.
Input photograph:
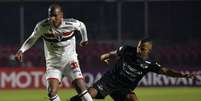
(72, 69)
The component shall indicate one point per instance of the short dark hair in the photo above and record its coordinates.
(54, 6)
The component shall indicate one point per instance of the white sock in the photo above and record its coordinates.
(85, 96)
(55, 98)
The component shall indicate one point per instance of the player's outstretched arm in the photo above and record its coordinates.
(28, 43)
(174, 73)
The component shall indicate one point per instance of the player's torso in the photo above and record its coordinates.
(130, 69)
(55, 35)
(59, 43)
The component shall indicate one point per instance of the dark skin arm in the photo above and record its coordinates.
(110, 57)
(174, 73)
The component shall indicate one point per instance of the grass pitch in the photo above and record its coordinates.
(144, 94)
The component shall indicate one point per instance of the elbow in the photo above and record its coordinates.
(164, 71)
(104, 56)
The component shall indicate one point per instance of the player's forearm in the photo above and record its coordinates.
(172, 73)
(28, 44)
(36, 34)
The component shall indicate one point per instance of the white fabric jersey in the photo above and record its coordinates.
(59, 43)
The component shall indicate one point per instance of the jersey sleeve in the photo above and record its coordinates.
(31, 40)
(154, 67)
(80, 26)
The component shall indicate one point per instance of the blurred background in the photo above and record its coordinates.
(174, 25)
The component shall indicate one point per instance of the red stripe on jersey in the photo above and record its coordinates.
(67, 33)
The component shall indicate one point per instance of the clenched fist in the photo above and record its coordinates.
(83, 43)
(19, 56)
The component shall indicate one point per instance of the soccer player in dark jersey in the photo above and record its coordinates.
(130, 65)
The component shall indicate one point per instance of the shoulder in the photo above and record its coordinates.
(126, 49)
(72, 21)
(131, 48)
(43, 23)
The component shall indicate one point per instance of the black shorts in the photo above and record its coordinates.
(105, 88)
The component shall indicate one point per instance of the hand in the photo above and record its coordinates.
(104, 58)
(83, 43)
(106, 61)
(19, 56)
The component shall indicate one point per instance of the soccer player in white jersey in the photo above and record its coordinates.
(60, 50)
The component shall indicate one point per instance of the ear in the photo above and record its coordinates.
(138, 46)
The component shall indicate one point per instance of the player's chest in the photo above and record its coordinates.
(134, 64)
(59, 33)
(133, 71)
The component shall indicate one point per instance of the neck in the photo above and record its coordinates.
(143, 57)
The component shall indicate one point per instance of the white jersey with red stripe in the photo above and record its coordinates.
(59, 43)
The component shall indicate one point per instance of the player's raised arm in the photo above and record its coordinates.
(113, 56)
(109, 57)
(174, 73)
(28, 43)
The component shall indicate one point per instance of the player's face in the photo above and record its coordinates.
(56, 17)
(144, 49)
